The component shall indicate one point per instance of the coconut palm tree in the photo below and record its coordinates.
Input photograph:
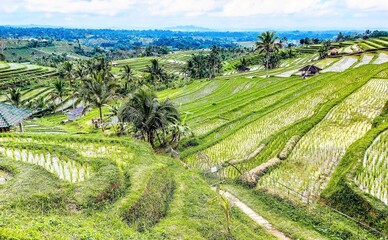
(214, 62)
(80, 71)
(148, 116)
(128, 77)
(267, 44)
(157, 73)
(14, 96)
(67, 71)
(99, 89)
(60, 90)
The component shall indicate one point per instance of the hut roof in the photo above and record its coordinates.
(76, 111)
(11, 115)
(334, 50)
(311, 68)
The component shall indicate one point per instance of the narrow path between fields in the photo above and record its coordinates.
(253, 215)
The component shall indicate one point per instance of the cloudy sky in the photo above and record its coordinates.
(214, 14)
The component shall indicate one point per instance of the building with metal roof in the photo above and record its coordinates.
(12, 116)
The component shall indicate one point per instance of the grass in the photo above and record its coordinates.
(299, 221)
(36, 204)
(319, 151)
(129, 192)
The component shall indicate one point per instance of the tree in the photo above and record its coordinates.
(340, 37)
(322, 52)
(128, 77)
(149, 117)
(243, 66)
(68, 68)
(3, 46)
(14, 96)
(40, 103)
(179, 129)
(197, 66)
(59, 90)
(267, 44)
(214, 62)
(157, 73)
(307, 41)
(99, 89)
(80, 71)
(324, 48)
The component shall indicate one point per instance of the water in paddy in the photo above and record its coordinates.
(68, 170)
(4, 176)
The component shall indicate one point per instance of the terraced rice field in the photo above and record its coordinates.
(105, 181)
(173, 62)
(373, 178)
(313, 160)
(14, 73)
(341, 65)
(228, 115)
(382, 58)
(366, 59)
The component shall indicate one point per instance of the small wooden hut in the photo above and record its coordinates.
(310, 70)
(334, 51)
(11, 116)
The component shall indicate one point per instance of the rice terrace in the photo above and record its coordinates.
(114, 125)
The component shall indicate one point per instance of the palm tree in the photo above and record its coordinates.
(67, 71)
(15, 96)
(80, 71)
(128, 76)
(179, 129)
(149, 117)
(157, 73)
(99, 89)
(214, 62)
(60, 90)
(40, 103)
(267, 44)
(324, 48)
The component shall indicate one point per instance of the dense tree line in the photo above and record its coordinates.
(204, 65)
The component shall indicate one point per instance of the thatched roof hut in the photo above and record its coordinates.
(11, 116)
(310, 70)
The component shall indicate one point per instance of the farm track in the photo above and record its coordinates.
(253, 215)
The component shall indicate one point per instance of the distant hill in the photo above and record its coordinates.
(189, 28)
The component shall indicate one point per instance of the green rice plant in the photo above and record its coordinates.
(382, 74)
(61, 164)
(311, 164)
(373, 178)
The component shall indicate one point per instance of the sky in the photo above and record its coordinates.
(213, 14)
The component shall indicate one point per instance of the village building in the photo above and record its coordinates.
(310, 70)
(334, 51)
(75, 113)
(12, 116)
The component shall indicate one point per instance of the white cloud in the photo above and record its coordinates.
(369, 5)
(9, 6)
(99, 7)
(235, 8)
(207, 13)
(181, 7)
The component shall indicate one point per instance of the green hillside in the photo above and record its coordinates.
(308, 155)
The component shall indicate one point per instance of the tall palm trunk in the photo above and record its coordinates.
(61, 102)
(102, 126)
(266, 63)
